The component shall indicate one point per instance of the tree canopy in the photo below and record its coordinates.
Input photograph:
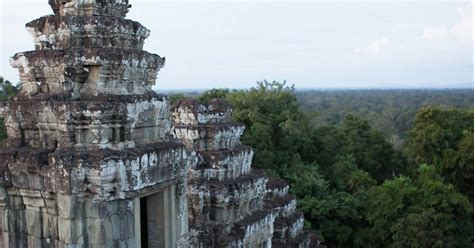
(7, 90)
(354, 188)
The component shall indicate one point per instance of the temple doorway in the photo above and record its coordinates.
(155, 217)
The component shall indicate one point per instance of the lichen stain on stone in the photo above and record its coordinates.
(88, 138)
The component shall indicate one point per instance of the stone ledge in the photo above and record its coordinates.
(223, 165)
(55, 32)
(192, 112)
(210, 137)
(302, 240)
(288, 227)
(282, 207)
(90, 71)
(276, 188)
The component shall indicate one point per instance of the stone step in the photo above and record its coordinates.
(227, 200)
(302, 240)
(224, 164)
(241, 189)
(210, 137)
(288, 227)
(192, 112)
(276, 188)
(256, 228)
(282, 207)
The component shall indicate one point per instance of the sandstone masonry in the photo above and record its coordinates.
(231, 205)
(90, 159)
(95, 158)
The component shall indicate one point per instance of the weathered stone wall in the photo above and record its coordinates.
(114, 123)
(91, 150)
(54, 32)
(87, 72)
(88, 139)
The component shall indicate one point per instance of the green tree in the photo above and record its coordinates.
(371, 151)
(7, 90)
(334, 215)
(276, 128)
(444, 138)
(420, 212)
(214, 93)
(347, 176)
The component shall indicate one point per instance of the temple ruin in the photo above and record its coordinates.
(231, 205)
(95, 158)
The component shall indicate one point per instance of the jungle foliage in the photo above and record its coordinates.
(7, 90)
(391, 112)
(355, 189)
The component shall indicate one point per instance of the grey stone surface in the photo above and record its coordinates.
(87, 137)
(92, 152)
(231, 205)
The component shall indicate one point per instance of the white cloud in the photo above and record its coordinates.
(375, 46)
(435, 33)
(461, 30)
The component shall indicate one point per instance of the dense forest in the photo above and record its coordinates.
(392, 112)
(336, 150)
(355, 189)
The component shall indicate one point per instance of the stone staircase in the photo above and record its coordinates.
(231, 205)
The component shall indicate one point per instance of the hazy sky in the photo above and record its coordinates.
(315, 44)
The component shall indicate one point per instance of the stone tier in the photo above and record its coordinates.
(101, 122)
(227, 201)
(101, 174)
(55, 32)
(276, 188)
(192, 112)
(282, 207)
(91, 71)
(210, 137)
(256, 228)
(288, 227)
(114, 8)
(302, 240)
(224, 164)
(252, 231)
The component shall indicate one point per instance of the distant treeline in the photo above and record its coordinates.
(390, 111)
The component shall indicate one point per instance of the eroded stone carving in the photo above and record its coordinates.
(95, 158)
(89, 142)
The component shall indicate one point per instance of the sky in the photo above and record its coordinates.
(312, 44)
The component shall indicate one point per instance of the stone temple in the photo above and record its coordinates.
(95, 158)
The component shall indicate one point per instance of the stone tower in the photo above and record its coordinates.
(231, 205)
(90, 159)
